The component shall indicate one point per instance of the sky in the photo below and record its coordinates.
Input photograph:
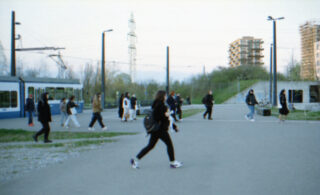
(198, 32)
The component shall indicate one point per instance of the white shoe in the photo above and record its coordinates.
(176, 164)
(91, 129)
(252, 120)
(105, 128)
(134, 164)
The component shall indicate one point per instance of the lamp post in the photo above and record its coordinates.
(102, 68)
(274, 59)
(13, 43)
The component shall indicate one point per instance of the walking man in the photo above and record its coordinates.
(251, 102)
(96, 113)
(30, 108)
(208, 101)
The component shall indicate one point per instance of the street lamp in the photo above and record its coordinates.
(274, 59)
(13, 43)
(102, 68)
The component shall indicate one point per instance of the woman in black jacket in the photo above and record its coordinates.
(251, 101)
(283, 111)
(160, 114)
(44, 116)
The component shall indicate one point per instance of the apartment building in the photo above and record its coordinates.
(246, 51)
(317, 58)
(310, 34)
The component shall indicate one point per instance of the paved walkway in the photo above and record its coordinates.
(228, 155)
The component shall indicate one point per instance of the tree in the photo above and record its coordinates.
(293, 72)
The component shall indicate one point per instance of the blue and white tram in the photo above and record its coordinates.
(15, 90)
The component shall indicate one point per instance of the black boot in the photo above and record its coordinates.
(47, 141)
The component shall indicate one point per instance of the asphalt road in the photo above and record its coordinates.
(228, 155)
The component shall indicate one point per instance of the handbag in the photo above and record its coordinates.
(73, 110)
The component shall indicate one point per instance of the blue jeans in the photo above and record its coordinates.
(251, 113)
(30, 114)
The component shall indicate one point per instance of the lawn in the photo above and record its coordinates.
(19, 135)
(298, 114)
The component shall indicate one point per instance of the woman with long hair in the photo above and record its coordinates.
(283, 111)
(96, 110)
(161, 115)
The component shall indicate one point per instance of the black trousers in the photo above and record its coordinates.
(96, 116)
(165, 137)
(45, 130)
(179, 112)
(208, 111)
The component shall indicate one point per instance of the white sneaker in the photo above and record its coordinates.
(176, 164)
(134, 164)
(105, 128)
(252, 120)
(91, 129)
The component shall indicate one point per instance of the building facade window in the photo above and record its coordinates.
(314, 92)
(295, 96)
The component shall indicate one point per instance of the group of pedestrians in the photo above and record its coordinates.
(251, 102)
(127, 107)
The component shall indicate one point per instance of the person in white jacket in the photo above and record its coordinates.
(126, 107)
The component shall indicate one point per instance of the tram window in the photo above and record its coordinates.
(69, 92)
(77, 94)
(314, 93)
(51, 92)
(31, 91)
(60, 93)
(295, 96)
(39, 91)
(14, 99)
(4, 99)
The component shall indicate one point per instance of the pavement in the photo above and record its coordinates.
(227, 155)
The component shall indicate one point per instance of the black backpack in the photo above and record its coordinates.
(150, 124)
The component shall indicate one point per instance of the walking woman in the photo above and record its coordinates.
(126, 107)
(96, 110)
(71, 112)
(283, 111)
(160, 114)
(251, 101)
(44, 116)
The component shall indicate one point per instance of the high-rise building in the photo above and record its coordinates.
(317, 58)
(310, 34)
(246, 51)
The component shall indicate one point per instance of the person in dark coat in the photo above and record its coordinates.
(30, 108)
(283, 111)
(171, 101)
(161, 114)
(44, 117)
(179, 101)
(208, 101)
(133, 108)
(251, 102)
(120, 111)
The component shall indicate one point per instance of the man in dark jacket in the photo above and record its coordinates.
(251, 101)
(44, 117)
(208, 101)
(30, 108)
(179, 101)
(172, 105)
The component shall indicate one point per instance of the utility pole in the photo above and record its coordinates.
(274, 58)
(168, 82)
(13, 43)
(270, 92)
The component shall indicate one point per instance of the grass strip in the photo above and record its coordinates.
(67, 145)
(19, 135)
(298, 114)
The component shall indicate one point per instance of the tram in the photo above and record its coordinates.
(15, 90)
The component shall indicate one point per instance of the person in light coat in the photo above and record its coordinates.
(126, 107)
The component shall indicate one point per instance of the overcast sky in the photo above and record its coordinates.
(198, 32)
